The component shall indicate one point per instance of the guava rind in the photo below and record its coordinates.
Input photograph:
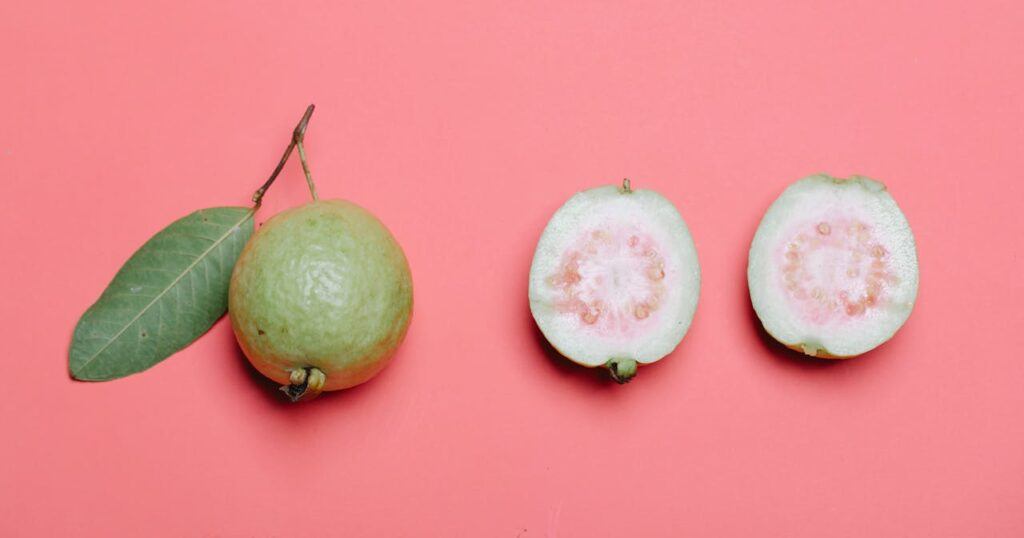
(324, 285)
(595, 208)
(817, 198)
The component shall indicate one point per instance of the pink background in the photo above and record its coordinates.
(464, 125)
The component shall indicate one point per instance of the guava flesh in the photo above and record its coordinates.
(322, 286)
(833, 267)
(835, 270)
(615, 278)
(612, 280)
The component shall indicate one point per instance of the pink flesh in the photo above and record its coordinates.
(611, 280)
(835, 270)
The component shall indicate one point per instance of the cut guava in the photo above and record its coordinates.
(833, 269)
(615, 279)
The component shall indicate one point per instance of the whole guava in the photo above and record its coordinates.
(321, 297)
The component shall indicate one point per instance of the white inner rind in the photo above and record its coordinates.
(648, 336)
(833, 204)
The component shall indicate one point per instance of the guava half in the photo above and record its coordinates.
(321, 297)
(833, 269)
(615, 279)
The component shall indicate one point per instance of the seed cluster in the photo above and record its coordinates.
(613, 281)
(836, 267)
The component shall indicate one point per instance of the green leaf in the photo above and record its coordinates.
(164, 297)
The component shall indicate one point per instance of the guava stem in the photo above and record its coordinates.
(297, 135)
(622, 370)
(626, 188)
(304, 384)
(305, 168)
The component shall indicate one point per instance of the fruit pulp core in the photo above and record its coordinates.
(835, 270)
(611, 280)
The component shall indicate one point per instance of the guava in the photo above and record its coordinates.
(321, 297)
(615, 279)
(833, 269)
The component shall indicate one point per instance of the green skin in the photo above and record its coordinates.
(323, 286)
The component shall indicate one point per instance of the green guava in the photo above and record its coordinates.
(833, 268)
(321, 297)
(615, 279)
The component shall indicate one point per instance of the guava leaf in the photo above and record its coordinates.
(166, 295)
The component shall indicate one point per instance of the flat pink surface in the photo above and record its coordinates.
(463, 126)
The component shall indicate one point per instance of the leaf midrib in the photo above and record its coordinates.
(158, 296)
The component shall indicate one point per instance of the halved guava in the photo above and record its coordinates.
(615, 279)
(833, 267)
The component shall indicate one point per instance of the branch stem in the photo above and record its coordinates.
(297, 135)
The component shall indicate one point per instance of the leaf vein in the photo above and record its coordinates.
(227, 234)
